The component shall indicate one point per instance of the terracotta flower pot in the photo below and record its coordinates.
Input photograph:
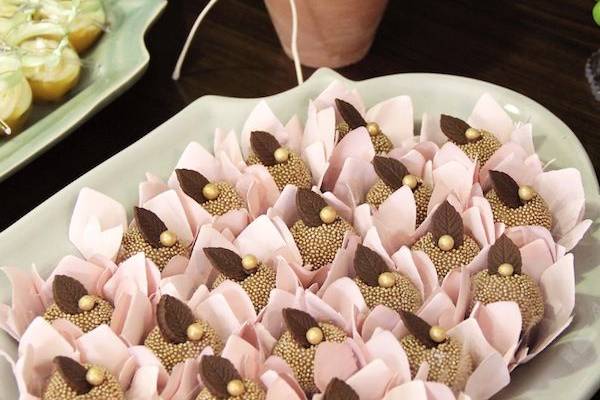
(331, 33)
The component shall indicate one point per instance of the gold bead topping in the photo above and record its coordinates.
(210, 191)
(410, 181)
(328, 214)
(235, 387)
(373, 128)
(86, 303)
(386, 280)
(249, 262)
(168, 238)
(446, 242)
(506, 269)
(281, 155)
(195, 331)
(472, 134)
(94, 376)
(526, 193)
(437, 334)
(314, 335)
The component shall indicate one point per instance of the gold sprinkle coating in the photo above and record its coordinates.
(171, 354)
(258, 285)
(301, 359)
(318, 245)
(445, 261)
(100, 314)
(291, 172)
(57, 389)
(228, 200)
(402, 296)
(534, 212)
(481, 149)
(381, 142)
(448, 363)
(133, 243)
(519, 288)
(253, 391)
(380, 192)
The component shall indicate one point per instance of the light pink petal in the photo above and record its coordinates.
(260, 238)
(196, 158)
(316, 158)
(320, 128)
(356, 144)
(471, 337)
(414, 390)
(380, 317)
(183, 382)
(243, 356)
(26, 302)
(558, 288)
(234, 221)
(570, 239)
(227, 144)
(258, 188)
(355, 179)
(101, 346)
(169, 209)
(148, 190)
(385, 346)
(261, 119)
(238, 300)
(333, 360)
(45, 341)
(97, 224)
(523, 136)
(490, 116)
(370, 382)
(566, 206)
(345, 297)
(395, 118)
(279, 388)
(337, 90)
(144, 384)
(132, 316)
(488, 378)
(438, 391)
(501, 324)
(219, 315)
(395, 219)
(431, 130)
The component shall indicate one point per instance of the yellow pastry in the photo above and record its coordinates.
(15, 95)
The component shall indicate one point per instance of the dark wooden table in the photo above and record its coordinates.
(536, 47)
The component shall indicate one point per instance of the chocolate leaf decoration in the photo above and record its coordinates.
(149, 225)
(390, 170)
(73, 374)
(227, 262)
(447, 221)
(309, 206)
(504, 251)
(298, 323)
(369, 265)
(192, 183)
(417, 327)
(337, 389)
(67, 291)
(264, 145)
(350, 114)
(506, 188)
(454, 129)
(216, 372)
(173, 317)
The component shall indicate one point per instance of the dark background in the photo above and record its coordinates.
(537, 48)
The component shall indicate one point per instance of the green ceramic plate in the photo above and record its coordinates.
(116, 62)
(568, 369)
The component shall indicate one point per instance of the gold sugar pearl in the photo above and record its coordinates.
(506, 269)
(281, 155)
(446, 242)
(195, 331)
(168, 238)
(386, 280)
(437, 334)
(95, 376)
(210, 191)
(249, 262)
(410, 181)
(314, 335)
(86, 303)
(328, 214)
(472, 134)
(373, 128)
(235, 387)
(526, 193)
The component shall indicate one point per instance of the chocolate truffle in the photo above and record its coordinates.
(217, 198)
(353, 120)
(478, 144)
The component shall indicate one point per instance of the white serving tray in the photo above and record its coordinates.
(568, 369)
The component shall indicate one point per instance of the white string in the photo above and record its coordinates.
(5, 128)
(295, 54)
(188, 41)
